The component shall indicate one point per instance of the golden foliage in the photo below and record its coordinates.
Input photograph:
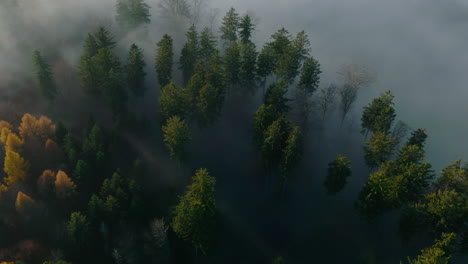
(15, 167)
(53, 151)
(5, 124)
(13, 143)
(23, 203)
(46, 182)
(42, 128)
(4, 135)
(64, 186)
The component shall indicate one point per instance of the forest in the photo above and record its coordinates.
(173, 131)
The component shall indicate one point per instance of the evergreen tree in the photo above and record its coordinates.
(189, 54)
(292, 152)
(439, 253)
(338, 171)
(418, 138)
(232, 63)
(164, 60)
(207, 44)
(248, 64)
(230, 25)
(266, 62)
(44, 76)
(194, 219)
(210, 102)
(379, 115)
(264, 116)
(310, 76)
(276, 96)
(275, 141)
(173, 101)
(78, 229)
(378, 149)
(135, 71)
(176, 137)
(246, 27)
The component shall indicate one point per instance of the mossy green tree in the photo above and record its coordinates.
(230, 26)
(164, 60)
(195, 215)
(338, 172)
(439, 253)
(44, 76)
(379, 115)
(189, 54)
(173, 101)
(135, 71)
(176, 137)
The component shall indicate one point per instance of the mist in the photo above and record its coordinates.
(417, 49)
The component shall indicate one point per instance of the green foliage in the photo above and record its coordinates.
(264, 116)
(207, 44)
(276, 96)
(78, 229)
(453, 177)
(132, 13)
(173, 101)
(229, 26)
(248, 64)
(338, 171)
(210, 102)
(44, 76)
(418, 137)
(378, 149)
(135, 71)
(232, 63)
(176, 137)
(274, 141)
(100, 71)
(118, 198)
(266, 62)
(439, 211)
(396, 183)
(379, 115)
(439, 253)
(189, 54)
(292, 152)
(310, 76)
(164, 60)
(246, 27)
(194, 216)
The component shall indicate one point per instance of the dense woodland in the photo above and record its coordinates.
(118, 160)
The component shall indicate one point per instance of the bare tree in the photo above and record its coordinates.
(159, 232)
(326, 99)
(183, 10)
(400, 131)
(354, 77)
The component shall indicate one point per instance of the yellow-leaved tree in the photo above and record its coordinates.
(15, 167)
(14, 143)
(42, 128)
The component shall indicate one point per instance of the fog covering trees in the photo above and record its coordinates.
(98, 179)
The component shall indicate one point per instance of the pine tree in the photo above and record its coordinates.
(310, 76)
(246, 27)
(338, 171)
(173, 101)
(164, 60)
(189, 54)
(230, 25)
(135, 71)
(176, 137)
(44, 76)
(292, 152)
(195, 215)
(232, 63)
(207, 44)
(379, 115)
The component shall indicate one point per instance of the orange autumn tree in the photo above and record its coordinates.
(46, 183)
(31, 127)
(23, 203)
(64, 186)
